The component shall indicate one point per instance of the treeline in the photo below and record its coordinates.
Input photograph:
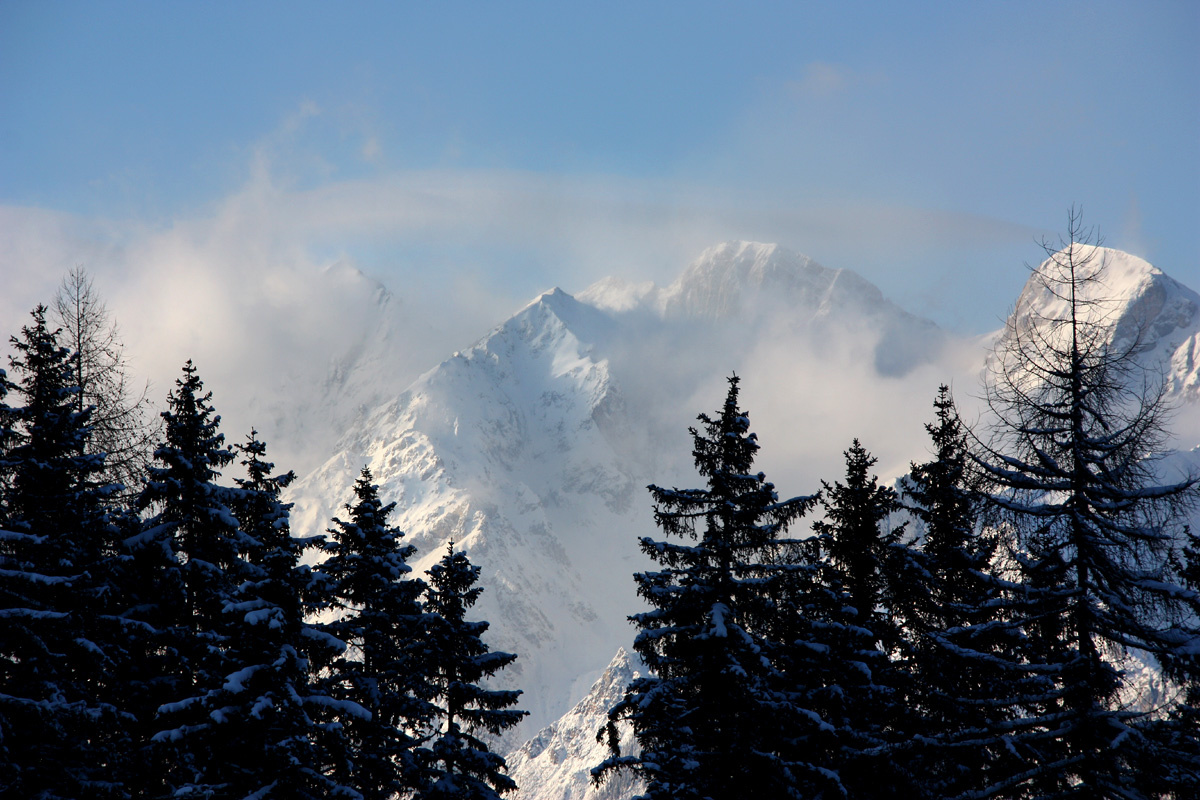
(968, 634)
(979, 650)
(161, 634)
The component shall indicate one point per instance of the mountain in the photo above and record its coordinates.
(1144, 309)
(530, 450)
(556, 763)
(780, 291)
(508, 449)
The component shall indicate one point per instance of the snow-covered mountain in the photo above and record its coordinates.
(511, 450)
(531, 449)
(1141, 305)
(555, 764)
(1144, 309)
(771, 288)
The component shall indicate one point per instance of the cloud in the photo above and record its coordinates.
(244, 286)
(372, 150)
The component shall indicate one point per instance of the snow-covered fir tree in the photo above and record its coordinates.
(952, 608)
(861, 558)
(55, 531)
(379, 685)
(458, 764)
(1172, 767)
(1089, 530)
(707, 716)
(188, 561)
(269, 741)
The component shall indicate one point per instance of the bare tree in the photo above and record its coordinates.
(1092, 534)
(122, 426)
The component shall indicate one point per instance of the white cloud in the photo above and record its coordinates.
(241, 287)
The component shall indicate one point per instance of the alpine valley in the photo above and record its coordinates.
(531, 449)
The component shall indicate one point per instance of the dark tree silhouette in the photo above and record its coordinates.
(1090, 532)
(708, 715)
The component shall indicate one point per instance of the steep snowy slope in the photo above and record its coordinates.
(1141, 305)
(510, 450)
(531, 449)
(555, 764)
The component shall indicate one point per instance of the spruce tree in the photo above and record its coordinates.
(380, 690)
(266, 743)
(861, 559)
(1171, 768)
(188, 562)
(458, 764)
(707, 715)
(54, 516)
(952, 607)
(1089, 530)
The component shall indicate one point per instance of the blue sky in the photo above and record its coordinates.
(502, 148)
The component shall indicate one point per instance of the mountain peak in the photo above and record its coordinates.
(729, 278)
(1142, 305)
(717, 283)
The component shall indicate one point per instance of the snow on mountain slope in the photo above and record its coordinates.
(781, 292)
(531, 448)
(505, 448)
(1141, 305)
(556, 763)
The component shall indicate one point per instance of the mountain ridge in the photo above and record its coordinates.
(529, 448)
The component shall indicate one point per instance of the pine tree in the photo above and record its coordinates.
(952, 606)
(55, 522)
(706, 717)
(459, 764)
(860, 557)
(266, 745)
(379, 688)
(188, 563)
(1088, 528)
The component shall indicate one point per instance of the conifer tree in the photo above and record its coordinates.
(381, 690)
(8, 435)
(707, 715)
(459, 764)
(54, 516)
(119, 425)
(1171, 770)
(188, 562)
(266, 745)
(952, 607)
(1089, 529)
(860, 561)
